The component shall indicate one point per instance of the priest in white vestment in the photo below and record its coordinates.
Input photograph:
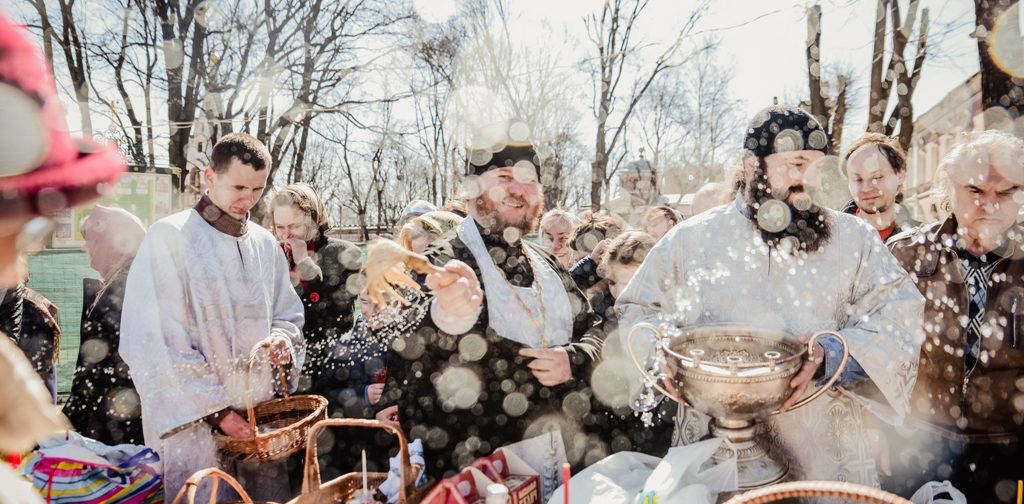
(207, 286)
(774, 259)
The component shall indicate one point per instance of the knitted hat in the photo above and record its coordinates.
(784, 129)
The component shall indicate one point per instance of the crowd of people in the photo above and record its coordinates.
(513, 336)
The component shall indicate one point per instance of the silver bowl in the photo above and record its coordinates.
(737, 375)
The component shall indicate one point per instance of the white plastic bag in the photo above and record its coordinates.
(675, 479)
(926, 494)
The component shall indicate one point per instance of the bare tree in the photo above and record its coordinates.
(828, 99)
(689, 124)
(898, 76)
(612, 34)
(433, 83)
(64, 29)
(130, 61)
(999, 88)
(184, 51)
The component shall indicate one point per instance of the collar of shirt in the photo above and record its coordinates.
(219, 219)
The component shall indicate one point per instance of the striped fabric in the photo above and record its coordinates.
(65, 481)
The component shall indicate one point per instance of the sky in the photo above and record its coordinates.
(761, 40)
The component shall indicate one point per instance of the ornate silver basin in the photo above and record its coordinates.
(737, 375)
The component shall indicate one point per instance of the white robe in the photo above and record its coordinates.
(716, 268)
(196, 302)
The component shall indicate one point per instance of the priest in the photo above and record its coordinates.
(775, 259)
(512, 360)
(206, 286)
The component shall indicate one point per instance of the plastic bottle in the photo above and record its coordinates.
(496, 494)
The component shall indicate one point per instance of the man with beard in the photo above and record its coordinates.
(495, 367)
(774, 259)
(876, 168)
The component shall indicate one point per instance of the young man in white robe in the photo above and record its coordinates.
(206, 287)
(774, 259)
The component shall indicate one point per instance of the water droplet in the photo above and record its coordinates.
(174, 55)
(435, 11)
(458, 387)
(773, 216)
(515, 404)
(472, 347)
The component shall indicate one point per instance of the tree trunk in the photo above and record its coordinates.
(998, 89)
(876, 108)
(814, 66)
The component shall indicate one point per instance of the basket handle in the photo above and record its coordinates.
(835, 376)
(281, 377)
(311, 478)
(192, 485)
(838, 489)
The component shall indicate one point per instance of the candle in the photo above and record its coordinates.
(365, 486)
(565, 481)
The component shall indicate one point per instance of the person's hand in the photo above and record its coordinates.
(595, 255)
(804, 376)
(456, 289)
(549, 365)
(389, 414)
(235, 426)
(280, 351)
(297, 248)
(374, 391)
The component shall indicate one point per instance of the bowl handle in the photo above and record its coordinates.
(632, 355)
(835, 376)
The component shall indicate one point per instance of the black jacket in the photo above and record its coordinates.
(328, 300)
(103, 404)
(509, 404)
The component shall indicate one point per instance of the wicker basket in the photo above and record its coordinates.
(279, 426)
(188, 492)
(850, 492)
(344, 487)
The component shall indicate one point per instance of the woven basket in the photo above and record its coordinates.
(279, 426)
(188, 492)
(342, 488)
(850, 492)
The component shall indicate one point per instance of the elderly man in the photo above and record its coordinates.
(967, 409)
(494, 366)
(207, 286)
(876, 169)
(774, 259)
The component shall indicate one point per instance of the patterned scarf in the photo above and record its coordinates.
(977, 272)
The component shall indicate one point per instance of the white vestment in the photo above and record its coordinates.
(716, 268)
(196, 302)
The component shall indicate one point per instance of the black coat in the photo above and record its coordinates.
(11, 308)
(40, 337)
(103, 404)
(510, 404)
(328, 300)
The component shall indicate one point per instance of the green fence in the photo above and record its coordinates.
(57, 274)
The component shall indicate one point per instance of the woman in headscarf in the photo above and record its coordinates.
(104, 404)
(324, 272)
